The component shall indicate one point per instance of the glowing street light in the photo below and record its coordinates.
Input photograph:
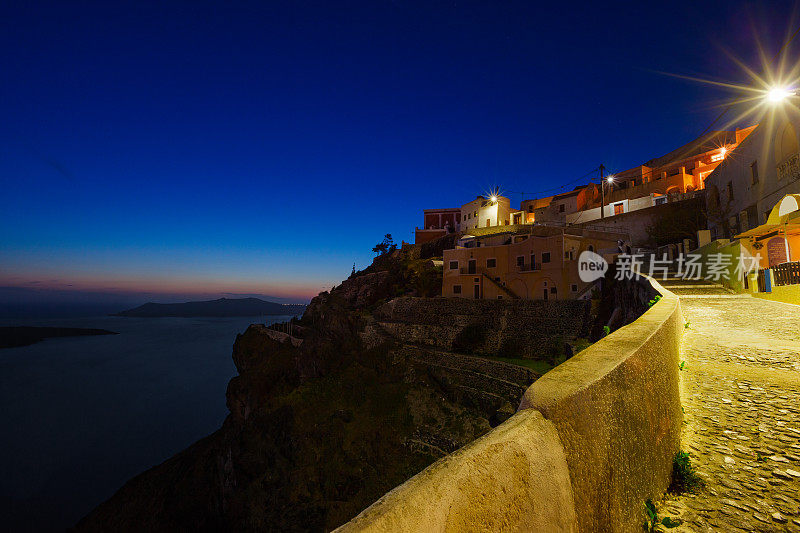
(778, 94)
(493, 198)
(610, 179)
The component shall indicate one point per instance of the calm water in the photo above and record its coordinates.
(82, 415)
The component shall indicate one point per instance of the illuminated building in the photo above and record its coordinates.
(742, 191)
(540, 262)
(486, 212)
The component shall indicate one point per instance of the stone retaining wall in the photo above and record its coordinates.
(592, 440)
(508, 328)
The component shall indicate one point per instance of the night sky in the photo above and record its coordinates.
(201, 148)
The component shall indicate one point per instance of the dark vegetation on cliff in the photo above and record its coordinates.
(375, 384)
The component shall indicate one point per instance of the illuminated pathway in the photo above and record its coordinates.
(741, 393)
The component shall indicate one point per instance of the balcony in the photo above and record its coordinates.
(528, 267)
(789, 169)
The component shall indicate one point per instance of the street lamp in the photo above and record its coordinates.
(610, 180)
(779, 94)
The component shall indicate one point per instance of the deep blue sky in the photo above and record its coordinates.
(264, 148)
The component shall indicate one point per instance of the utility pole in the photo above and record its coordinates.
(602, 194)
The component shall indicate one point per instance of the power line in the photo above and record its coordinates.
(555, 188)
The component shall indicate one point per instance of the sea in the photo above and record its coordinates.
(82, 415)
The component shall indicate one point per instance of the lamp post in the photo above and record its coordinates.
(602, 194)
(603, 180)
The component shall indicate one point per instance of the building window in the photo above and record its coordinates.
(545, 257)
(561, 208)
(520, 260)
(590, 248)
(574, 288)
(730, 190)
(499, 296)
(618, 209)
(453, 265)
(530, 208)
(476, 280)
(552, 290)
(754, 171)
(456, 289)
(491, 263)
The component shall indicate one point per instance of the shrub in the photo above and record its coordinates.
(684, 475)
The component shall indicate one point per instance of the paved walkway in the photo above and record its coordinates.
(741, 395)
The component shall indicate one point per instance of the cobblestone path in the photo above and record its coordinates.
(741, 394)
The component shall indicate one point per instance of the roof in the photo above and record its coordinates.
(701, 145)
(573, 192)
(539, 202)
(441, 210)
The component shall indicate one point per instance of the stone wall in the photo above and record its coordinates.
(509, 328)
(616, 407)
(514, 478)
(591, 441)
(635, 223)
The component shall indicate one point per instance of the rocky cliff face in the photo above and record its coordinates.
(321, 428)
(318, 430)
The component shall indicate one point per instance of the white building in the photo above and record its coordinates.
(486, 212)
(765, 167)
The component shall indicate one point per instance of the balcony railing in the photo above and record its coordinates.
(789, 169)
(528, 267)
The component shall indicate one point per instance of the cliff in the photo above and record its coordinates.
(325, 421)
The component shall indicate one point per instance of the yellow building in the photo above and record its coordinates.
(778, 241)
(540, 263)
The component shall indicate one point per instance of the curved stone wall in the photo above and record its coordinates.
(514, 478)
(616, 407)
(592, 440)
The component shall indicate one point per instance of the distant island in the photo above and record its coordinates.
(15, 336)
(223, 307)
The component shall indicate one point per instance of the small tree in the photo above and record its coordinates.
(385, 245)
